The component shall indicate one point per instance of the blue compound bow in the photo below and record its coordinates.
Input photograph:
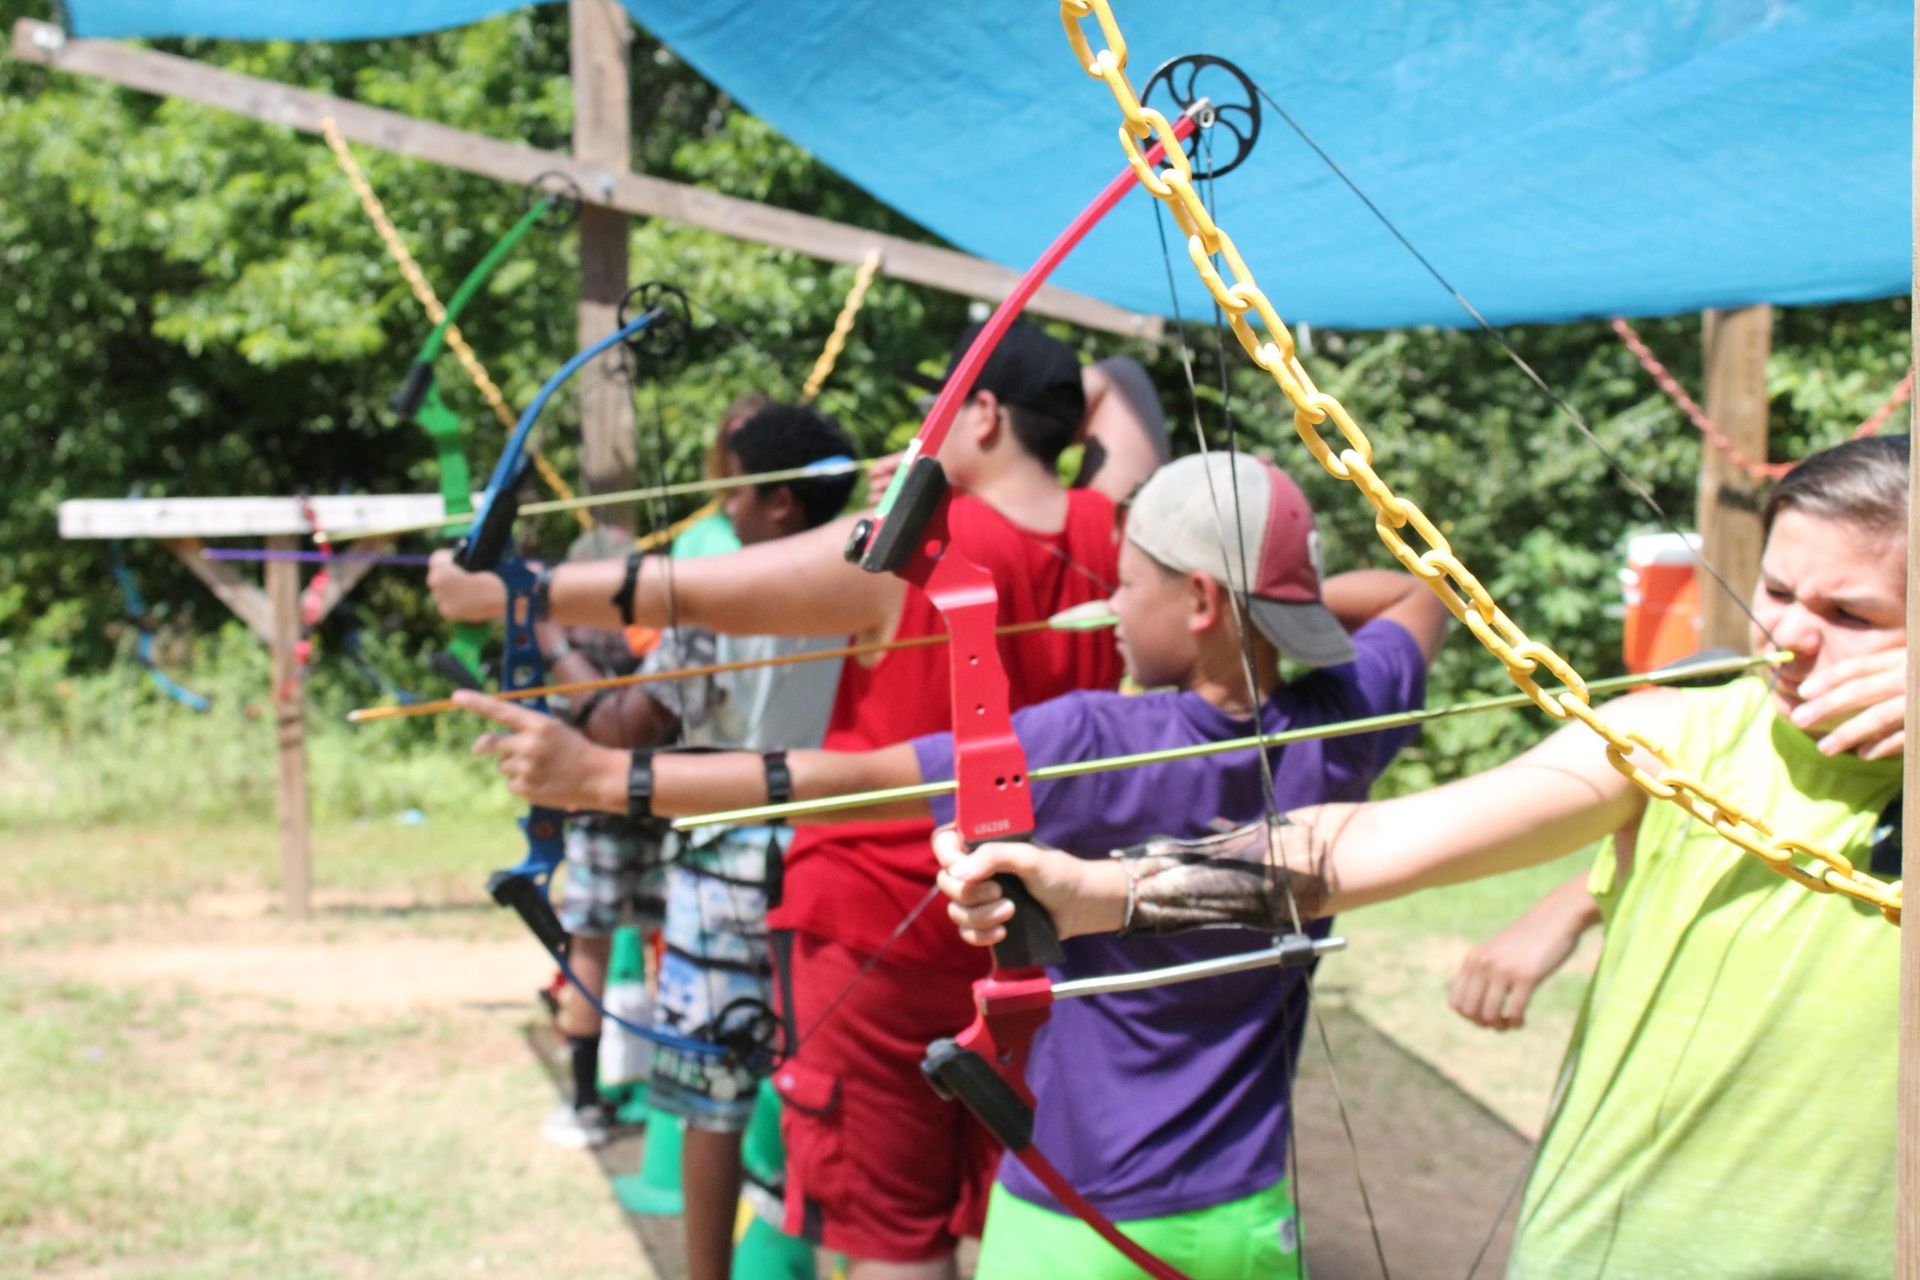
(658, 327)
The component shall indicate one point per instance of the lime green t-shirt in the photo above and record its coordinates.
(1729, 1110)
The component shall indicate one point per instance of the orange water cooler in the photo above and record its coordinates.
(1663, 599)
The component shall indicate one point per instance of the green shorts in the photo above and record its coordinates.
(1256, 1238)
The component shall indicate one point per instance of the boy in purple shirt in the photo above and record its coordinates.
(1158, 1105)
(1172, 1101)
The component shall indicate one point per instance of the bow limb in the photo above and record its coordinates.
(984, 1067)
(419, 399)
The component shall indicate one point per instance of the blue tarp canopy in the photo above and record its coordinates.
(1554, 159)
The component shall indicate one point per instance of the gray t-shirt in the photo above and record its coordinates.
(759, 709)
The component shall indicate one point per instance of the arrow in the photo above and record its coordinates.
(1084, 617)
(820, 470)
(1675, 674)
(306, 557)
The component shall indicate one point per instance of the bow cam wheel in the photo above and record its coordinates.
(672, 322)
(561, 193)
(1229, 124)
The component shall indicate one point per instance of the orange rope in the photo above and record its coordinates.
(1717, 438)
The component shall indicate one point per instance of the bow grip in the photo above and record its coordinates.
(486, 542)
(522, 892)
(448, 665)
(962, 1075)
(406, 401)
(887, 547)
(1031, 939)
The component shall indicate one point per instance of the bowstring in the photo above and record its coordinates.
(658, 518)
(1279, 883)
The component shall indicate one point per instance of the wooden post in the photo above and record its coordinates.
(290, 728)
(602, 136)
(1737, 344)
(1906, 1234)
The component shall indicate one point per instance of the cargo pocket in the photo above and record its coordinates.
(816, 1154)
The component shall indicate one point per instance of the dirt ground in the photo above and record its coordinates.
(1437, 1167)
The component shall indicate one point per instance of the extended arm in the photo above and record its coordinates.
(1550, 801)
(552, 764)
(795, 586)
(610, 717)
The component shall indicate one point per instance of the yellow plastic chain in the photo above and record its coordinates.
(1457, 587)
(430, 303)
(842, 326)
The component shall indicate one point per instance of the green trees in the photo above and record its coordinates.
(197, 304)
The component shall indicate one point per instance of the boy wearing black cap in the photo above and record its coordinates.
(1194, 1163)
(879, 1168)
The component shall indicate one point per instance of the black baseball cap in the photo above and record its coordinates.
(1028, 368)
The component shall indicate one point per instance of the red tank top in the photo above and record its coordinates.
(854, 883)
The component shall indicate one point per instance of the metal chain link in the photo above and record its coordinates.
(1463, 593)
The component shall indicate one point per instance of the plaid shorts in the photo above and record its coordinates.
(716, 969)
(613, 864)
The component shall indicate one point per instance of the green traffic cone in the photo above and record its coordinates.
(761, 1151)
(760, 1247)
(765, 1253)
(655, 1190)
(626, 961)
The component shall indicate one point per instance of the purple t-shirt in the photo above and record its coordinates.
(1175, 1098)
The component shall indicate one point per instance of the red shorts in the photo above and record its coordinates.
(879, 1166)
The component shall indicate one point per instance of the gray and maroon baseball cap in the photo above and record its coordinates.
(1244, 522)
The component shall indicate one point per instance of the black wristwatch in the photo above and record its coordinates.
(779, 777)
(629, 582)
(640, 784)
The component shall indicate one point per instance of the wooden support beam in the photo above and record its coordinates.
(344, 575)
(602, 135)
(169, 75)
(1737, 345)
(247, 602)
(290, 731)
(242, 517)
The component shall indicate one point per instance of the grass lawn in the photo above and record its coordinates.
(201, 1089)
